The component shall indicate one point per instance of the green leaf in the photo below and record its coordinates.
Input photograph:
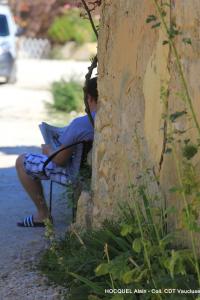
(126, 229)
(187, 41)
(146, 201)
(172, 262)
(102, 269)
(156, 25)
(151, 18)
(165, 42)
(135, 275)
(177, 115)
(164, 92)
(170, 210)
(168, 150)
(189, 151)
(173, 31)
(119, 266)
(174, 189)
(180, 267)
(186, 141)
(121, 242)
(141, 275)
(128, 277)
(164, 13)
(94, 286)
(168, 239)
(137, 245)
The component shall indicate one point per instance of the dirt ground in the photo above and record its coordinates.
(21, 110)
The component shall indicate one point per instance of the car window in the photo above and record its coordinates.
(4, 30)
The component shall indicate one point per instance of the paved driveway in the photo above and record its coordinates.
(21, 109)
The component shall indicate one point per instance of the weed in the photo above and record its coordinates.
(118, 256)
(183, 163)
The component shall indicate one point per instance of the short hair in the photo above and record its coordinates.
(91, 88)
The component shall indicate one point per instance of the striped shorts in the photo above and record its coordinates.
(33, 164)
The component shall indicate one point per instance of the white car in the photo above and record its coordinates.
(8, 31)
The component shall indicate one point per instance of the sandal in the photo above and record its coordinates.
(29, 222)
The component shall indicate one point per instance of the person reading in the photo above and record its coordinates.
(63, 168)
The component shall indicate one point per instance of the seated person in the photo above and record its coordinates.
(63, 168)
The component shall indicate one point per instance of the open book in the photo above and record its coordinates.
(51, 134)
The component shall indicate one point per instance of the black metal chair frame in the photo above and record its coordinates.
(87, 146)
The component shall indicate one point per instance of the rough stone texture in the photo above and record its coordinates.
(186, 14)
(84, 210)
(133, 66)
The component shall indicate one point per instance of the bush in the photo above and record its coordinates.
(69, 257)
(118, 256)
(71, 27)
(67, 96)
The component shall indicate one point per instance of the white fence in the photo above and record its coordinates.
(33, 48)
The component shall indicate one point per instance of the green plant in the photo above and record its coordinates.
(188, 178)
(70, 27)
(134, 253)
(121, 255)
(78, 254)
(172, 32)
(67, 96)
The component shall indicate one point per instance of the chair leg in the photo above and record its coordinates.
(50, 196)
(73, 211)
(74, 207)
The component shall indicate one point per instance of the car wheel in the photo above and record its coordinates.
(13, 74)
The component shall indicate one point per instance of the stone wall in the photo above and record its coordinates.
(133, 66)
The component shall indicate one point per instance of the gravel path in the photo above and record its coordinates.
(21, 109)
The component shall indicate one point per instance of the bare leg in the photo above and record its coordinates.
(34, 190)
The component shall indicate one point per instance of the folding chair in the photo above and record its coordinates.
(87, 146)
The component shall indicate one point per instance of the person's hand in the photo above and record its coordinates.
(46, 149)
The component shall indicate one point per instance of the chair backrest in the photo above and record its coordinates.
(87, 145)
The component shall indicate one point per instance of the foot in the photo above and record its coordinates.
(30, 221)
(38, 218)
